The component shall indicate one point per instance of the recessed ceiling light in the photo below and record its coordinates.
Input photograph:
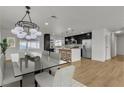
(82, 32)
(46, 23)
(118, 32)
(69, 28)
(54, 16)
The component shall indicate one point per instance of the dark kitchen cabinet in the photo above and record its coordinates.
(78, 38)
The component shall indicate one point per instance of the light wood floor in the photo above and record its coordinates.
(100, 74)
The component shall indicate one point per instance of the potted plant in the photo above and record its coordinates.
(4, 46)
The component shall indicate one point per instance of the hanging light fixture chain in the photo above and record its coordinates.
(29, 17)
(24, 17)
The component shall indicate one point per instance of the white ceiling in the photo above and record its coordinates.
(80, 18)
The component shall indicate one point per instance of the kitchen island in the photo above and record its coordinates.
(70, 54)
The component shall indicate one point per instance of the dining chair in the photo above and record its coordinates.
(54, 57)
(62, 78)
(27, 67)
(36, 54)
(15, 58)
(7, 74)
(45, 53)
(1, 69)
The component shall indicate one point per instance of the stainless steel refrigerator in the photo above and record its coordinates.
(86, 48)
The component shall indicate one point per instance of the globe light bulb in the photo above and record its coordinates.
(33, 31)
(38, 33)
(21, 35)
(13, 31)
(33, 36)
(28, 37)
(18, 28)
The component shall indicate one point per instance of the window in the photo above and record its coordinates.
(58, 42)
(29, 44)
(23, 44)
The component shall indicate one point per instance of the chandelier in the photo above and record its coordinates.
(26, 29)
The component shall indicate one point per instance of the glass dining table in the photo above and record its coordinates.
(28, 65)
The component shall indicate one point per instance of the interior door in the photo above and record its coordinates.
(107, 47)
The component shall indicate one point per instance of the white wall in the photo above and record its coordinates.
(99, 45)
(113, 45)
(0, 41)
(120, 45)
(107, 44)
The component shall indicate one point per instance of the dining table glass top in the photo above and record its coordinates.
(29, 64)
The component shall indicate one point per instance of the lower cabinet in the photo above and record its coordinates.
(70, 55)
(65, 54)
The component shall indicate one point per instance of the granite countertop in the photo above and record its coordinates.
(65, 49)
(68, 48)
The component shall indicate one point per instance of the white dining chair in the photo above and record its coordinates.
(55, 58)
(55, 55)
(1, 69)
(7, 74)
(62, 78)
(15, 58)
(36, 54)
(45, 53)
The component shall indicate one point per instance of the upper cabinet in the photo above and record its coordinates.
(78, 38)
